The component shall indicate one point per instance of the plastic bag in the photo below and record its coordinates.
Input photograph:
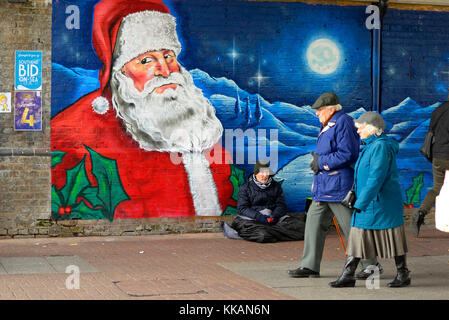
(442, 206)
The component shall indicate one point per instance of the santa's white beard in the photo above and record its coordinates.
(177, 120)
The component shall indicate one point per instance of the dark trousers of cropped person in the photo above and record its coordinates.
(439, 167)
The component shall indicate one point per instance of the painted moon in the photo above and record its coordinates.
(323, 56)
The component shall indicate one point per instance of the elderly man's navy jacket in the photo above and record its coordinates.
(338, 148)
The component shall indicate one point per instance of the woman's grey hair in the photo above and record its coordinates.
(337, 107)
(369, 128)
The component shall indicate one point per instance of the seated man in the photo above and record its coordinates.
(262, 211)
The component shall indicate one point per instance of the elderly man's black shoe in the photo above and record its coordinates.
(302, 272)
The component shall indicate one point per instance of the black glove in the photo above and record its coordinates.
(314, 164)
(272, 220)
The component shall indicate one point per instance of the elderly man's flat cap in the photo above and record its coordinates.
(326, 99)
(372, 118)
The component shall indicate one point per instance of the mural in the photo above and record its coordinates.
(232, 97)
(151, 135)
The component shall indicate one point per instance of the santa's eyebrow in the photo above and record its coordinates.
(168, 51)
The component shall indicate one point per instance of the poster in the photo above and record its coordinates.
(5, 102)
(28, 111)
(28, 70)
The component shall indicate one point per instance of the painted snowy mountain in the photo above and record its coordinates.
(72, 84)
(293, 129)
(238, 109)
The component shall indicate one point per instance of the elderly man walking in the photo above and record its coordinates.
(336, 152)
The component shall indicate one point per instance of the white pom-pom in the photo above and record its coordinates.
(100, 105)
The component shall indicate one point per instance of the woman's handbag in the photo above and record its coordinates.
(426, 149)
(349, 199)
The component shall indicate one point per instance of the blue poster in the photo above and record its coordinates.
(28, 74)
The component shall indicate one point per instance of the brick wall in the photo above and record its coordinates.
(25, 156)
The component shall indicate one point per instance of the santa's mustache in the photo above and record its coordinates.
(159, 81)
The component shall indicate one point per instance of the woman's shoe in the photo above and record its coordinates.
(402, 278)
(346, 279)
(343, 282)
(368, 271)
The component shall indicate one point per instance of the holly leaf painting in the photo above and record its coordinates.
(91, 196)
(413, 193)
(82, 211)
(76, 181)
(56, 157)
(110, 189)
(230, 211)
(237, 178)
(56, 199)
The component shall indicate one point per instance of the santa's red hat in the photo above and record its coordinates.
(125, 29)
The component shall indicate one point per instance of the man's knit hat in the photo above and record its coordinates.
(125, 29)
(262, 164)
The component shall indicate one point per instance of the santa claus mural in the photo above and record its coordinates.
(146, 143)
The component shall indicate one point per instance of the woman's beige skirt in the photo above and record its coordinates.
(369, 244)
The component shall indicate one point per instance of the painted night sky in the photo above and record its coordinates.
(242, 40)
(262, 46)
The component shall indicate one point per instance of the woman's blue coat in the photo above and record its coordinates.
(376, 182)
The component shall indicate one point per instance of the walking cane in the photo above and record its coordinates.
(339, 235)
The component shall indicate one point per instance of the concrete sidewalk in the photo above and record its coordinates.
(202, 267)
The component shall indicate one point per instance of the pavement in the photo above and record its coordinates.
(203, 266)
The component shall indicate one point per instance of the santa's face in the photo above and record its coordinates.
(169, 113)
(151, 64)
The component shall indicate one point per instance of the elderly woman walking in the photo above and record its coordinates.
(377, 226)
